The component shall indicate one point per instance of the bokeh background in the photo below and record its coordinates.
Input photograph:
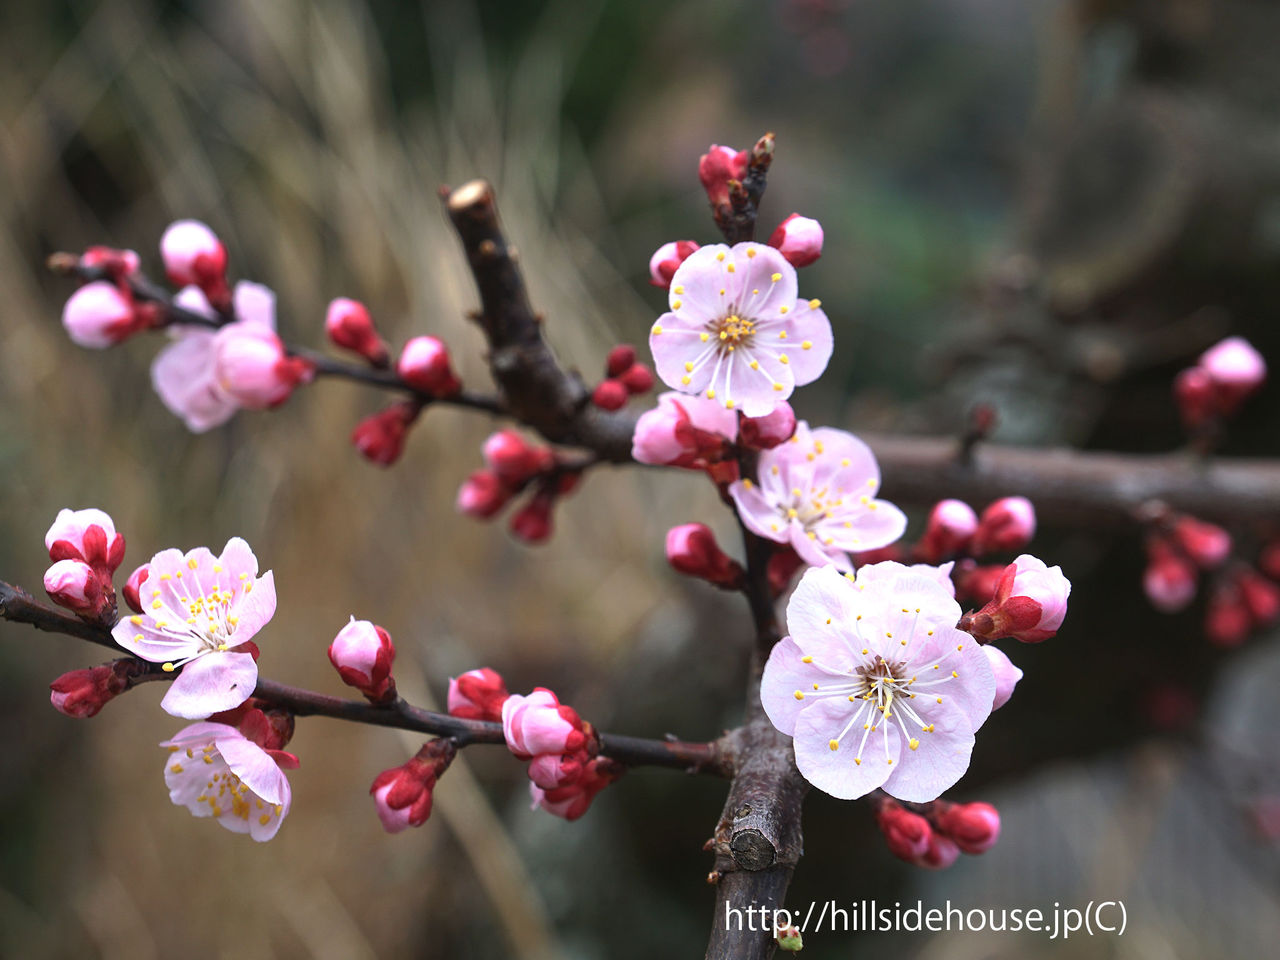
(1051, 206)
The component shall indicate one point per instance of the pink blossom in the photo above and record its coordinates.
(425, 365)
(380, 437)
(667, 259)
(403, 795)
(199, 610)
(539, 723)
(74, 585)
(799, 239)
(477, 695)
(692, 550)
(875, 685)
(98, 315)
(683, 431)
(363, 653)
(88, 535)
(816, 492)
(880, 570)
(1029, 604)
(952, 523)
(215, 771)
(717, 167)
(482, 495)
(974, 827)
(194, 256)
(349, 325)
(765, 433)
(737, 332)
(1007, 524)
(251, 365)
(184, 373)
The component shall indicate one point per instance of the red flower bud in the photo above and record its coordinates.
(380, 437)
(402, 795)
(349, 326)
(424, 364)
(610, 395)
(133, 585)
(1007, 524)
(975, 827)
(693, 551)
(637, 379)
(363, 653)
(765, 433)
(620, 360)
(478, 695)
(532, 522)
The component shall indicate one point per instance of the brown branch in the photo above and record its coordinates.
(714, 758)
(1078, 487)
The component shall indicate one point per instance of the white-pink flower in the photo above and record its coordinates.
(197, 611)
(184, 373)
(875, 684)
(215, 771)
(817, 493)
(737, 332)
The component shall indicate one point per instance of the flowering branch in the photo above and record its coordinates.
(713, 758)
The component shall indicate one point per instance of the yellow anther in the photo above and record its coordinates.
(815, 686)
(807, 345)
(751, 251)
(165, 576)
(776, 277)
(728, 404)
(657, 329)
(774, 470)
(913, 743)
(806, 659)
(686, 380)
(731, 268)
(720, 255)
(136, 620)
(192, 563)
(688, 366)
(167, 667)
(748, 483)
(264, 819)
(833, 744)
(799, 695)
(778, 387)
(782, 358)
(156, 604)
(782, 335)
(754, 364)
(704, 337)
(677, 304)
(677, 290)
(783, 309)
(844, 462)
(711, 394)
(858, 761)
(792, 513)
(176, 768)
(815, 303)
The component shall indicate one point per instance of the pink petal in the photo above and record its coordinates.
(835, 771)
(255, 304)
(183, 376)
(254, 608)
(758, 514)
(676, 340)
(784, 674)
(1005, 673)
(940, 759)
(820, 616)
(210, 684)
(808, 324)
(256, 768)
(974, 690)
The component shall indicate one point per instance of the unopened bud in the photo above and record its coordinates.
(637, 378)
(1007, 524)
(666, 260)
(349, 326)
(1205, 543)
(98, 315)
(717, 167)
(380, 437)
(133, 585)
(1227, 621)
(620, 360)
(402, 795)
(1170, 578)
(1261, 597)
(693, 551)
(906, 834)
(74, 584)
(610, 395)
(194, 256)
(252, 366)
(513, 458)
(765, 433)
(425, 365)
(1194, 393)
(82, 693)
(363, 654)
(975, 827)
(951, 525)
(532, 522)
(478, 695)
(798, 239)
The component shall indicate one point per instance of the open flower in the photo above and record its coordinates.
(185, 374)
(875, 684)
(737, 332)
(215, 771)
(817, 493)
(198, 611)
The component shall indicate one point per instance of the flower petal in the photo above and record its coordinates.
(210, 684)
(785, 675)
(940, 759)
(838, 772)
(256, 768)
(183, 376)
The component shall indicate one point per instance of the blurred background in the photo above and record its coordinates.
(1047, 205)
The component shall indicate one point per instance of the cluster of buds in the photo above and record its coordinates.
(565, 768)
(478, 695)
(1029, 604)
(402, 795)
(363, 655)
(1222, 379)
(512, 465)
(624, 378)
(82, 693)
(1178, 548)
(700, 434)
(85, 550)
(1241, 602)
(693, 551)
(936, 838)
(954, 531)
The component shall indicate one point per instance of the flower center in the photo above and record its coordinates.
(734, 330)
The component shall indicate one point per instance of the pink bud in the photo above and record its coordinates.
(1007, 524)
(252, 367)
(1261, 597)
(424, 364)
(610, 395)
(1205, 543)
(532, 522)
(1236, 369)
(952, 523)
(119, 265)
(194, 256)
(478, 695)
(693, 551)
(551, 771)
(82, 693)
(977, 583)
(1228, 621)
(380, 437)
(1029, 605)
(74, 585)
(98, 315)
(402, 795)
(717, 167)
(666, 260)
(798, 239)
(539, 723)
(941, 853)
(513, 458)
(482, 495)
(88, 535)
(765, 433)
(1196, 397)
(349, 326)
(1169, 580)
(637, 378)
(133, 585)
(906, 834)
(363, 653)
(1006, 674)
(975, 827)
(621, 359)
(573, 799)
